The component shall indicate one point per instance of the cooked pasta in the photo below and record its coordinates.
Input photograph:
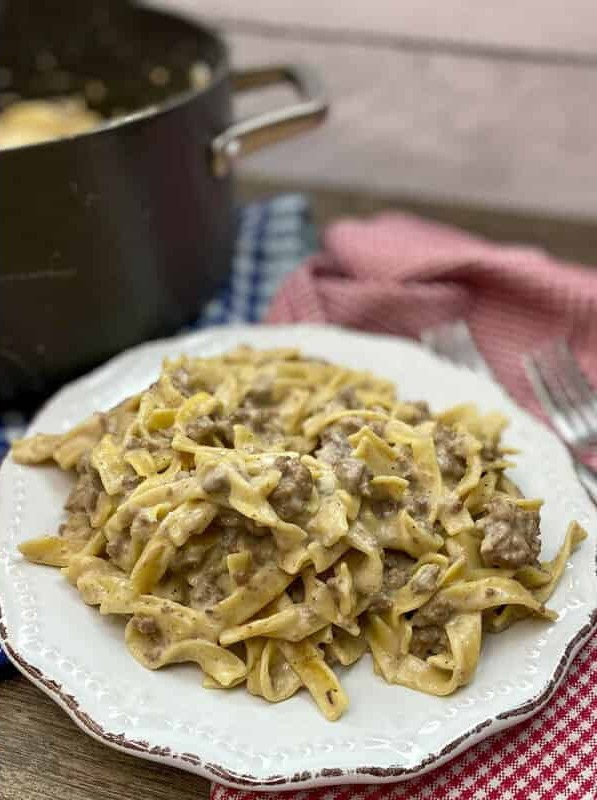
(268, 516)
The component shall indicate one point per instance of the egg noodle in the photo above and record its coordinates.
(269, 516)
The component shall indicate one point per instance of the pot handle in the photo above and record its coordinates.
(252, 134)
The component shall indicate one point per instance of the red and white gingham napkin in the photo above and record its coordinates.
(399, 274)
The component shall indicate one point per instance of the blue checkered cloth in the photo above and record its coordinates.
(273, 237)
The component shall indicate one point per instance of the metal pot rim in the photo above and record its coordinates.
(178, 99)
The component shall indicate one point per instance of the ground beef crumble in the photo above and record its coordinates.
(85, 493)
(293, 490)
(204, 428)
(511, 535)
(334, 446)
(436, 611)
(450, 452)
(397, 569)
(428, 641)
(353, 475)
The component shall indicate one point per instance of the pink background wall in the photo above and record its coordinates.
(471, 100)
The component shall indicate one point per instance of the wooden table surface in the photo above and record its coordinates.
(42, 753)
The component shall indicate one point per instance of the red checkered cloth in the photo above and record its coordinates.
(398, 274)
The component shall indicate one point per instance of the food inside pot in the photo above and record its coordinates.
(26, 122)
(30, 121)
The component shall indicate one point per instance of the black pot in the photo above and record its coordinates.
(119, 235)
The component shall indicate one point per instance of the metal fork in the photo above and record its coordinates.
(563, 391)
(454, 341)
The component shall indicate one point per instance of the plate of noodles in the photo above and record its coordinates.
(292, 556)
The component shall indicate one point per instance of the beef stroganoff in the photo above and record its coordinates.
(268, 516)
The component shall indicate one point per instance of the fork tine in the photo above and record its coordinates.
(588, 478)
(547, 398)
(449, 342)
(437, 339)
(586, 474)
(453, 341)
(428, 337)
(568, 403)
(586, 398)
(564, 396)
(466, 345)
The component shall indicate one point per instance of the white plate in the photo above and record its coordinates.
(79, 658)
